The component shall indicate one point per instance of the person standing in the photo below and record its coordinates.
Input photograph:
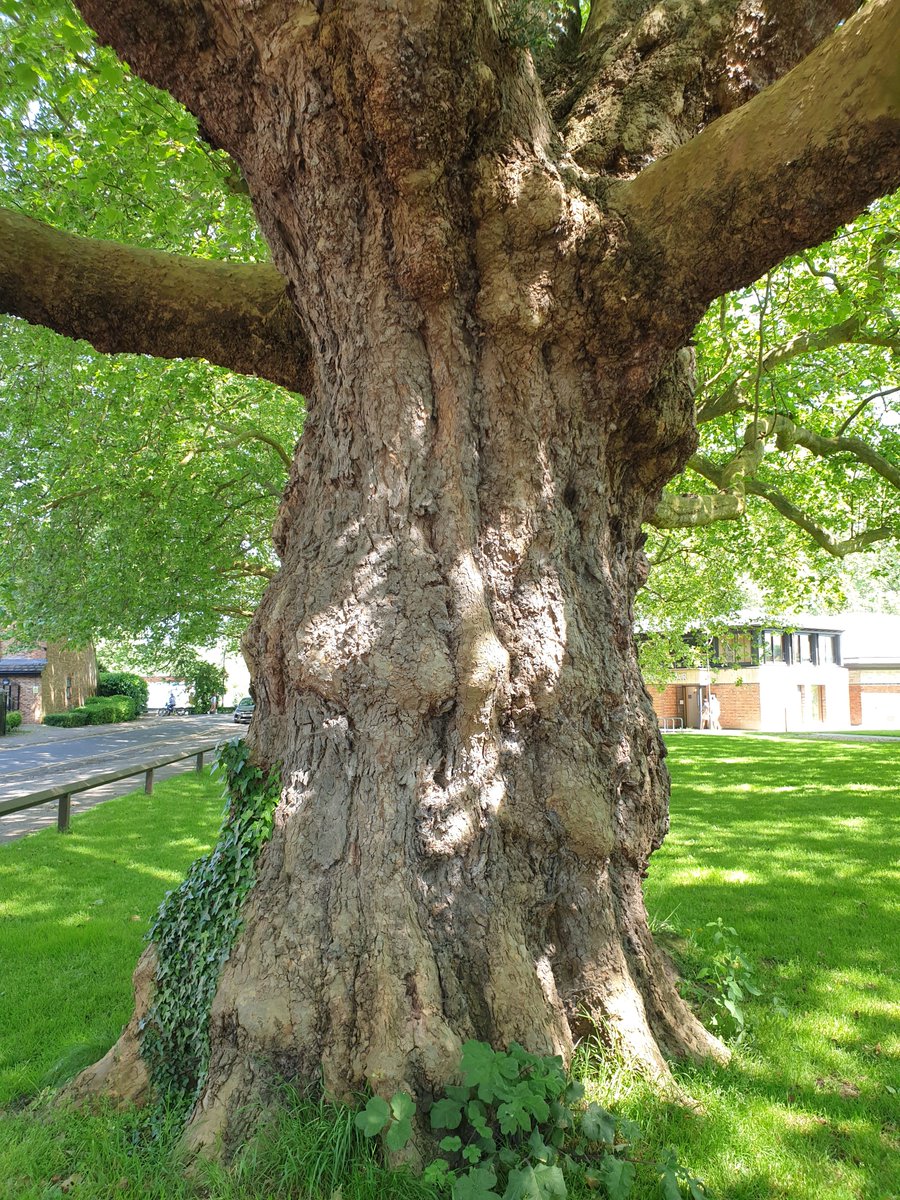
(715, 711)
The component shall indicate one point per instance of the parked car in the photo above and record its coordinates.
(244, 711)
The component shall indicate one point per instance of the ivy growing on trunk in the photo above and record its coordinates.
(196, 926)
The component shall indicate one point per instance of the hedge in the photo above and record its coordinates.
(13, 721)
(104, 710)
(96, 710)
(67, 720)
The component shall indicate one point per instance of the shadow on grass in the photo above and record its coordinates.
(794, 844)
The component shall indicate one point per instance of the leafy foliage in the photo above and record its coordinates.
(102, 710)
(197, 924)
(720, 980)
(73, 719)
(204, 679)
(13, 721)
(123, 683)
(814, 343)
(516, 1128)
(163, 475)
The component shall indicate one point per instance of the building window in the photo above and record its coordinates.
(802, 648)
(734, 650)
(772, 645)
(826, 649)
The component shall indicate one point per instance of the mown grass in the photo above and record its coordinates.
(791, 842)
(73, 913)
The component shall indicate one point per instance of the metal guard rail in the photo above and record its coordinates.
(65, 791)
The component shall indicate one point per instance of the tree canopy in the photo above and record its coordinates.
(145, 490)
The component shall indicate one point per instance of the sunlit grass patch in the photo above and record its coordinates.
(74, 909)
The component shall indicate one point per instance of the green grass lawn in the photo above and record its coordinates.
(74, 909)
(791, 842)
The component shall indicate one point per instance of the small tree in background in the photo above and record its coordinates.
(203, 679)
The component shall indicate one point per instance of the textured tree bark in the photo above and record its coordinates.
(444, 666)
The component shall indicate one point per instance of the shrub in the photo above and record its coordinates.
(67, 720)
(104, 710)
(13, 721)
(123, 683)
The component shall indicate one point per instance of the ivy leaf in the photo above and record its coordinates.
(451, 1144)
(473, 1154)
(373, 1118)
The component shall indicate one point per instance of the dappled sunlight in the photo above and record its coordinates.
(792, 845)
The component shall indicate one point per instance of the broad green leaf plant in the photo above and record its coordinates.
(517, 1128)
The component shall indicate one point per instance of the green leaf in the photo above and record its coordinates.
(550, 1182)
(373, 1118)
(446, 1114)
(670, 1187)
(617, 1176)
(451, 1144)
(399, 1134)
(598, 1125)
(402, 1105)
(522, 1185)
(473, 1154)
(436, 1171)
(476, 1184)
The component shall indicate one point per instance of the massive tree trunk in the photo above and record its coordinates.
(445, 667)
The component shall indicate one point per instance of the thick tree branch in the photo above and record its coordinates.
(838, 549)
(692, 511)
(788, 434)
(123, 299)
(743, 485)
(652, 74)
(778, 175)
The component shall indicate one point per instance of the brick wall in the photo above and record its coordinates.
(665, 702)
(29, 696)
(855, 704)
(740, 705)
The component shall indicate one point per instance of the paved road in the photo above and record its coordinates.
(42, 757)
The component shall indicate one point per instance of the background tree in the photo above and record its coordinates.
(488, 265)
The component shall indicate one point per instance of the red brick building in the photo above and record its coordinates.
(48, 678)
(765, 678)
